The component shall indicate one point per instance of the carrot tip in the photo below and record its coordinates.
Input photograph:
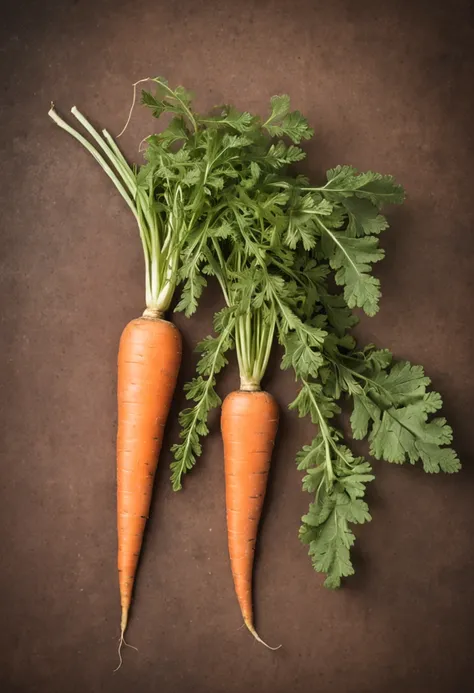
(258, 638)
(124, 620)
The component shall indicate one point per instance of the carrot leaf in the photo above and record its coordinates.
(201, 390)
(338, 480)
(392, 408)
(283, 122)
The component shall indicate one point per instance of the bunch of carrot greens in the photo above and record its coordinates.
(218, 197)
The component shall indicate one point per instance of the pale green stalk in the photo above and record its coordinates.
(161, 255)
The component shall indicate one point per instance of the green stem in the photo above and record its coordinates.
(326, 434)
(146, 255)
(241, 347)
(267, 344)
(254, 341)
(167, 284)
(164, 86)
(98, 157)
(249, 340)
(114, 154)
(116, 157)
(160, 268)
(124, 168)
(219, 275)
(325, 189)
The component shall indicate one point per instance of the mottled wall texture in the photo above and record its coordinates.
(388, 86)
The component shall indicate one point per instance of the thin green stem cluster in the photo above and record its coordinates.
(253, 341)
(158, 235)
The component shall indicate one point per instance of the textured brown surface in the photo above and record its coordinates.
(387, 85)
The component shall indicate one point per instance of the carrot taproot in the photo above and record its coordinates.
(148, 364)
(249, 423)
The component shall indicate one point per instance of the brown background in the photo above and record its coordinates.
(387, 86)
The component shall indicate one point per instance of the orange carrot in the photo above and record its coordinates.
(249, 424)
(148, 364)
(149, 354)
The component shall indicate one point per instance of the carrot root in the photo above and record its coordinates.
(258, 638)
(148, 364)
(123, 642)
(249, 424)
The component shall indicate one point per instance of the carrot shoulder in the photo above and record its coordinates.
(148, 364)
(249, 424)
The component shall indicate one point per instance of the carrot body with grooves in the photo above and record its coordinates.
(249, 424)
(148, 364)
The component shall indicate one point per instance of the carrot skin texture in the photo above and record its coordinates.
(249, 424)
(148, 365)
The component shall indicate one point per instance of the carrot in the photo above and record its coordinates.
(249, 424)
(148, 364)
(150, 347)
